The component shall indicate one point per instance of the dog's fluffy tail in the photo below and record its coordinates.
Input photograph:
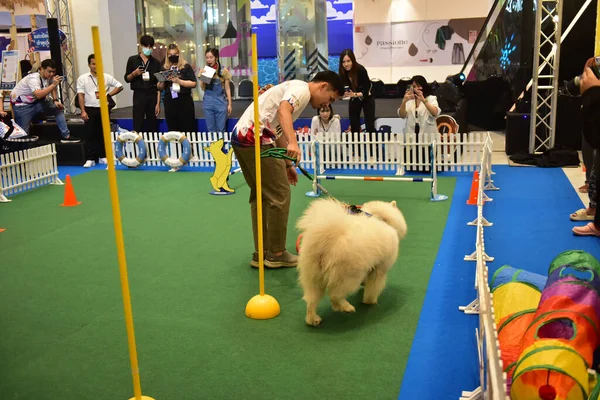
(325, 216)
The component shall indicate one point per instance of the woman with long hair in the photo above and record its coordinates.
(419, 107)
(358, 92)
(217, 94)
(177, 90)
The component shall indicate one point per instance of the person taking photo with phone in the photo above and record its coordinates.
(419, 107)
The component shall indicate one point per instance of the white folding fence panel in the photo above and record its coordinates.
(27, 169)
(346, 151)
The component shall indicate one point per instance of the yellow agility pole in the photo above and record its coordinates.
(597, 46)
(261, 306)
(116, 210)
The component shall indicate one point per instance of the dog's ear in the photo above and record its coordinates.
(393, 202)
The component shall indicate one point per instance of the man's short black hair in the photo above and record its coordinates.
(147, 41)
(90, 58)
(48, 63)
(333, 79)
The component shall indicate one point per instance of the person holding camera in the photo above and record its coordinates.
(88, 100)
(139, 73)
(30, 97)
(589, 87)
(419, 107)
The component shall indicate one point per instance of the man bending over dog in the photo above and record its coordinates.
(278, 107)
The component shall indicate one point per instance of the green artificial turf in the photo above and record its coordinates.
(62, 327)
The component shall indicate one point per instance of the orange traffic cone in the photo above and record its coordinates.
(474, 189)
(70, 199)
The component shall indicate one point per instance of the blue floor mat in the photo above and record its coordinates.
(531, 226)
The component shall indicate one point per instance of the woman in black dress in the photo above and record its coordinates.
(358, 91)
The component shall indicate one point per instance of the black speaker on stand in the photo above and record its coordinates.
(569, 125)
(55, 50)
(517, 133)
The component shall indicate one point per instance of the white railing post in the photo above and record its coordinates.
(492, 377)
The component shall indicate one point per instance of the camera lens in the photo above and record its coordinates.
(572, 87)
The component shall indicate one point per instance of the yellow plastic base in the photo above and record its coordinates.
(143, 398)
(262, 307)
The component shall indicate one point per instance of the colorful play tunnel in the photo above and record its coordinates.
(549, 338)
(517, 294)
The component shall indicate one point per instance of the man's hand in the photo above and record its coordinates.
(85, 116)
(59, 105)
(588, 80)
(292, 175)
(57, 80)
(293, 151)
(157, 110)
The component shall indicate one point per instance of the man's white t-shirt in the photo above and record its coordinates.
(295, 92)
(22, 94)
(88, 85)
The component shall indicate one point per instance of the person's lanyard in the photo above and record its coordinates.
(42, 82)
(145, 64)
(92, 78)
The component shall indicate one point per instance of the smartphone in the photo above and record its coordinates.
(346, 88)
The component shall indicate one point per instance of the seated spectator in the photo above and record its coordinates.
(325, 121)
(30, 98)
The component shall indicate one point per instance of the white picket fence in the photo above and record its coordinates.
(345, 151)
(27, 169)
(492, 379)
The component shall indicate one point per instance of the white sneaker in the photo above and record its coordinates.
(89, 164)
(102, 161)
(174, 169)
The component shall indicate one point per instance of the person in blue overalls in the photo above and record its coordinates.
(217, 93)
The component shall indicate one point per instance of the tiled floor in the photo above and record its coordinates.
(575, 175)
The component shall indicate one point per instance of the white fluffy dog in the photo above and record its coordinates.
(340, 250)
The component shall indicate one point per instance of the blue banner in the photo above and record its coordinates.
(40, 41)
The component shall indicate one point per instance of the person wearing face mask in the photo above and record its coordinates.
(139, 73)
(217, 94)
(358, 92)
(419, 107)
(179, 105)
